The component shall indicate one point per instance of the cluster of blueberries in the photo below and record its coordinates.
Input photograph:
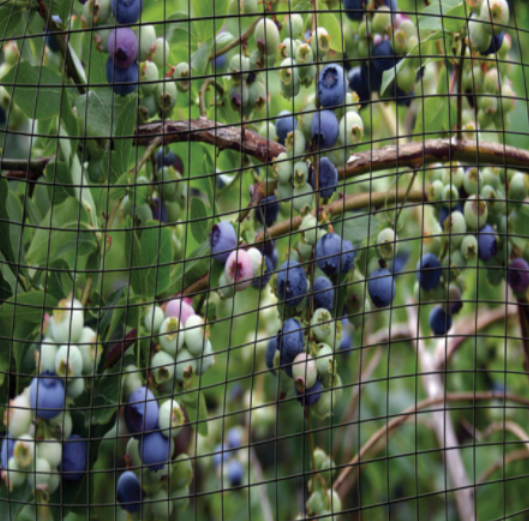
(228, 459)
(323, 500)
(153, 476)
(40, 447)
(184, 347)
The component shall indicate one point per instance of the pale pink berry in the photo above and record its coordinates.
(180, 309)
(239, 269)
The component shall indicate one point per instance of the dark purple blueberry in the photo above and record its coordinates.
(518, 275)
(129, 492)
(324, 129)
(399, 262)
(141, 412)
(154, 450)
(290, 341)
(331, 86)
(261, 281)
(440, 321)
(159, 211)
(291, 283)
(372, 77)
(126, 11)
(271, 349)
(354, 9)
(358, 83)
(8, 446)
(323, 293)
(383, 57)
(223, 240)
(235, 473)
(487, 243)
(309, 396)
(381, 288)
(327, 177)
(334, 255)
(285, 123)
(267, 210)
(495, 44)
(123, 81)
(429, 271)
(74, 458)
(123, 46)
(47, 395)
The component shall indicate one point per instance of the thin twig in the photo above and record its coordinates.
(410, 413)
(460, 91)
(118, 349)
(403, 204)
(215, 53)
(151, 148)
(515, 455)
(64, 47)
(202, 93)
(510, 426)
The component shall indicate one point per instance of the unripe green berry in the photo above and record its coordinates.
(450, 195)
(283, 168)
(454, 175)
(324, 361)
(239, 96)
(153, 318)
(266, 36)
(195, 334)
(381, 22)
(476, 212)
(456, 225)
(301, 173)
(435, 191)
(496, 12)
(309, 225)
(170, 418)
(159, 52)
(518, 187)
(479, 35)
(406, 77)
(146, 39)
(181, 75)
(321, 324)
(387, 243)
(351, 128)
(469, 247)
(166, 94)
(303, 198)
(69, 361)
(171, 336)
(320, 43)
(186, 366)
(304, 371)
(163, 366)
(257, 96)
(295, 144)
(473, 181)
(249, 6)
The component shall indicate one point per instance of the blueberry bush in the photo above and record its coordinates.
(264, 259)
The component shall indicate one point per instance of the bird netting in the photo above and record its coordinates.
(264, 260)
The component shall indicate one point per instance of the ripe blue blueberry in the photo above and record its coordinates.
(495, 44)
(155, 450)
(235, 473)
(123, 81)
(261, 281)
(74, 458)
(290, 341)
(440, 321)
(123, 47)
(270, 353)
(323, 291)
(159, 210)
(50, 40)
(47, 395)
(126, 11)
(392, 4)
(429, 271)
(327, 177)
(399, 262)
(334, 255)
(129, 492)
(354, 9)
(267, 210)
(234, 438)
(285, 123)
(518, 275)
(220, 455)
(346, 343)
(381, 288)
(358, 83)
(331, 86)
(372, 77)
(383, 56)
(168, 159)
(141, 411)
(8, 445)
(325, 129)
(222, 240)
(487, 243)
(291, 283)
(309, 396)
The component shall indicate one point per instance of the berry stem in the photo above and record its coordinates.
(202, 93)
(215, 53)
(460, 91)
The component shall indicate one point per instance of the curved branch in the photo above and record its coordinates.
(23, 169)
(510, 426)
(204, 130)
(411, 411)
(515, 455)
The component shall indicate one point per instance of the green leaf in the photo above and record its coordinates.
(10, 16)
(414, 55)
(60, 184)
(195, 265)
(37, 89)
(356, 226)
(5, 288)
(200, 58)
(60, 282)
(156, 257)
(125, 125)
(197, 411)
(5, 240)
(334, 28)
(68, 222)
(200, 224)
(446, 15)
(107, 400)
(27, 307)
(12, 502)
(209, 10)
